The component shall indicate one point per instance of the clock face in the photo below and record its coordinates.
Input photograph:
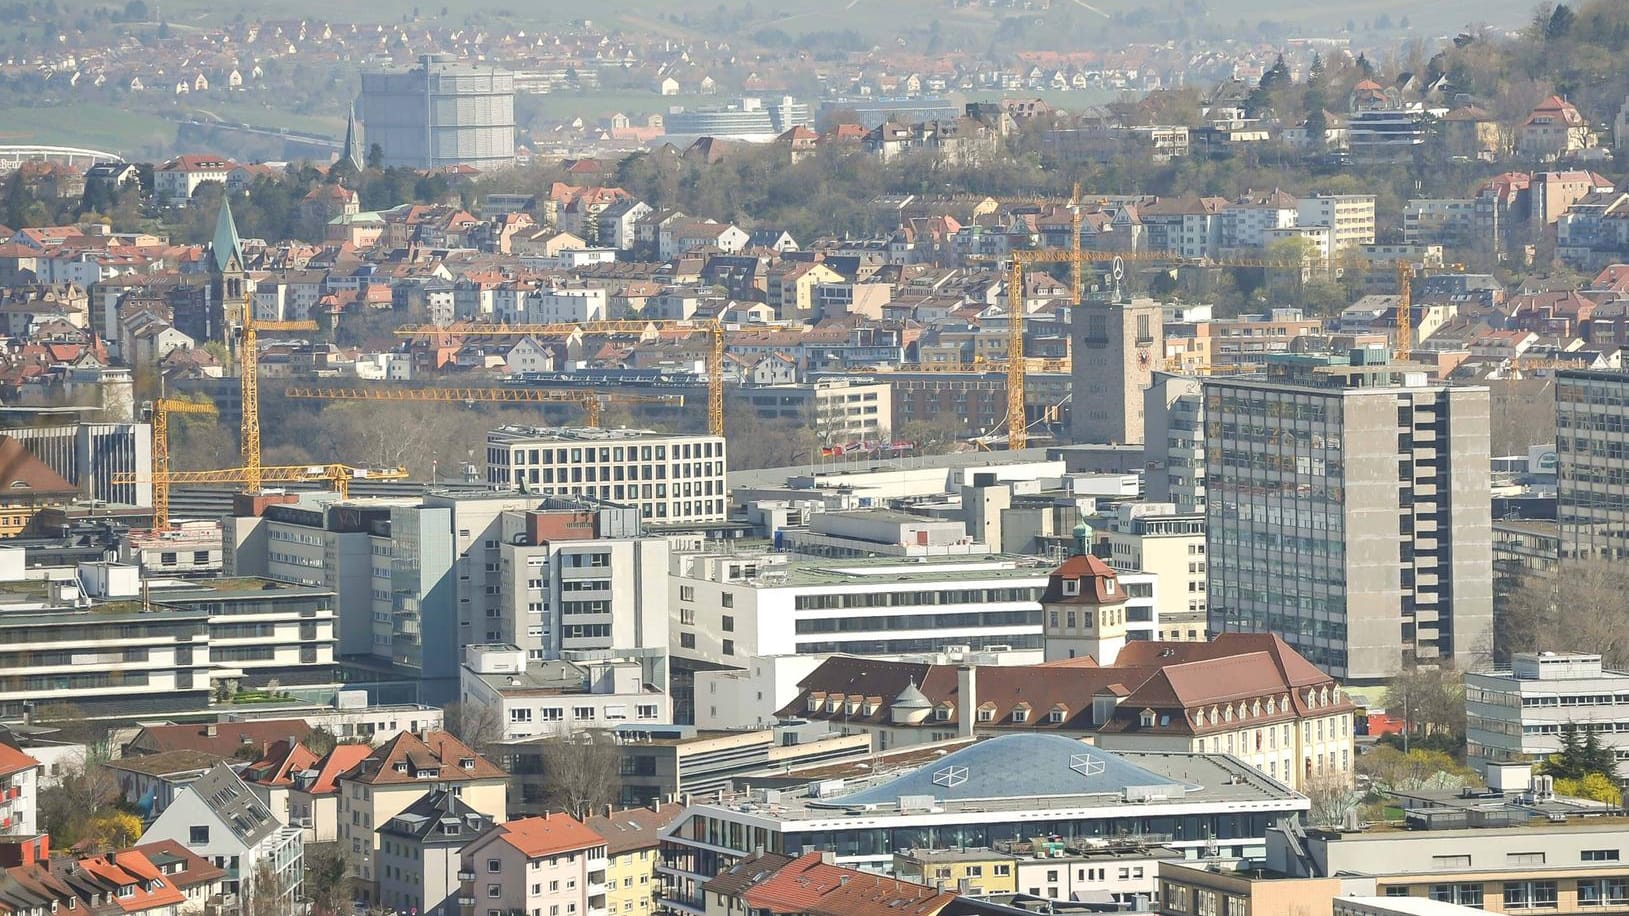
(1142, 357)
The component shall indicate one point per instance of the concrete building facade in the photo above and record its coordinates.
(441, 114)
(1117, 345)
(1349, 511)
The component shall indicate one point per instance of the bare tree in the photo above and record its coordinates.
(1581, 607)
(263, 893)
(582, 771)
(477, 725)
(1332, 796)
(1430, 699)
(86, 790)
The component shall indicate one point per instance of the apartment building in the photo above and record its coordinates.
(633, 839)
(838, 410)
(1349, 218)
(1174, 443)
(1517, 713)
(673, 479)
(576, 574)
(548, 864)
(420, 853)
(395, 775)
(1592, 495)
(1153, 539)
(260, 631)
(556, 697)
(1348, 510)
(19, 791)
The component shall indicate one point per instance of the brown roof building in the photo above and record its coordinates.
(1248, 694)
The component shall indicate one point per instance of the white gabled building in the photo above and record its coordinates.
(221, 819)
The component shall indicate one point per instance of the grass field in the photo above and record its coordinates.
(87, 124)
(248, 110)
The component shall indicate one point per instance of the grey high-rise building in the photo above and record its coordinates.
(1116, 346)
(1592, 445)
(1174, 442)
(441, 113)
(1348, 510)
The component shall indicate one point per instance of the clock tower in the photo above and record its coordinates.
(1116, 346)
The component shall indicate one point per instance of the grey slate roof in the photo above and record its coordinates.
(438, 818)
(238, 807)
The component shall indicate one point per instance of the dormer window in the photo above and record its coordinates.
(401, 766)
(941, 713)
(986, 713)
(1057, 715)
(1146, 718)
(1020, 714)
(814, 703)
(467, 763)
(1071, 587)
(1108, 586)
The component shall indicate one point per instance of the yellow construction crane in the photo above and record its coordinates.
(711, 327)
(591, 401)
(1404, 342)
(338, 476)
(249, 377)
(158, 412)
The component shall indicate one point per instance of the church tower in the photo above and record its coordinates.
(352, 150)
(228, 280)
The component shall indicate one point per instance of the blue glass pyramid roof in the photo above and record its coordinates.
(1012, 766)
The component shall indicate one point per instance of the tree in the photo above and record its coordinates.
(86, 791)
(327, 878)
(1583, 601)
(1392, 769)
(1593, 786)
(376, 157)
(112, 830)
(582, 771)
(477, 725)
(320, 741)
(1431, 701)
(1332, 796)
(1560, 23)
(1581, 755)
(263, 893)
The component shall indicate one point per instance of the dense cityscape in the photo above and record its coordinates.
(934, 459)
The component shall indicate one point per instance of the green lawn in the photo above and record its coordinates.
(591, 106)
(247, 109)
(87, 124)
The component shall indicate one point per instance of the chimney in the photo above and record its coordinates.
(967, 700)
(829, 857)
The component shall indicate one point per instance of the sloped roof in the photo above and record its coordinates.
(337, 761)
(437, 749)
(237, 807)
(633, 828)
(548, 835)
(1010, 766)
(745, 873)
(13, 760)
(279, 764)
(226, 246)
(427, 820)
(225, 740)
(21, 471)
(808, 884)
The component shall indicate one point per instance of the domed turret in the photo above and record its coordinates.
(911, 707)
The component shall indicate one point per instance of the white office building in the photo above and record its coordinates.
(672, 479)
(730, 608)
(530, 699)
(1516, 714)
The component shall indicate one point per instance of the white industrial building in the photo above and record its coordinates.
(672, 479)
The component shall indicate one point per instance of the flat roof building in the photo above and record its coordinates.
(673, 479)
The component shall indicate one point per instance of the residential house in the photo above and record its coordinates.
(419, 853)
(396, 774)
(19, 791)
(28, 488)
(272, 776)
(551, 864)
(813, 885)
(313, 799)
(1554, 129)
(632, 848)
(220, 819)
(152, 879)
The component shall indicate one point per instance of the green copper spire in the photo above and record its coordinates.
(226, 247)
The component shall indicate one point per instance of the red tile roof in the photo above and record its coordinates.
(811, 885)
(548, 835)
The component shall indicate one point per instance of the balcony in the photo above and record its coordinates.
(466, 876)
